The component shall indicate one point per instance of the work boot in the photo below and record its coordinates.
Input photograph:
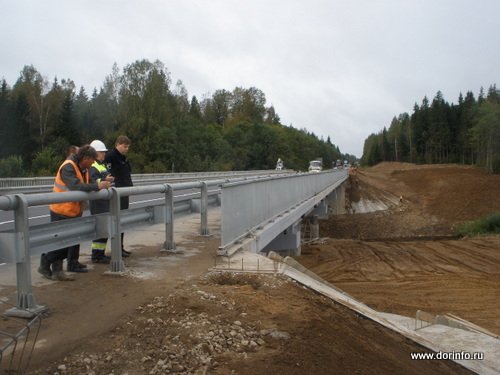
(73, 264)
(58, 272)
(44, 268)
(125, 253)
(99, 257)
(77, 267)
(102, 259)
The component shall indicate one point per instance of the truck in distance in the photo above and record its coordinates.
(315, 166)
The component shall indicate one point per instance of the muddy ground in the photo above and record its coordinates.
(191, 321)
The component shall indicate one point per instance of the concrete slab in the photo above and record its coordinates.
(366, 205)
(186, 228)
(246, 261)
(457, 340)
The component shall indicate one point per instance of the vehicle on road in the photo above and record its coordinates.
(315, 166)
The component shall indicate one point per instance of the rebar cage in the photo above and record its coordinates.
(17, 342)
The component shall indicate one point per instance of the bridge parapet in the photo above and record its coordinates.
(255, 213)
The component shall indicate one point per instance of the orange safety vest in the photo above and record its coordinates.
(70, 209)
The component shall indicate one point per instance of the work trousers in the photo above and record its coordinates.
(70, 252)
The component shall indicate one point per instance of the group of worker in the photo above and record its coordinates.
(91, 167)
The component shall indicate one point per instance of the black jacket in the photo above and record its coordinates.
(119, 167)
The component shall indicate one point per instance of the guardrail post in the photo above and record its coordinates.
(26, 306)
(204, 209)
(116, 266)
(169, 244)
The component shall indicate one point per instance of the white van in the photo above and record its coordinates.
(315, 166)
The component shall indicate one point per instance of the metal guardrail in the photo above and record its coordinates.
(28, 185)
(25, 240)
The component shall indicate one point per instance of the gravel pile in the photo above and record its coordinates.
(165, 339)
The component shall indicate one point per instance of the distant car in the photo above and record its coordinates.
(315, 166)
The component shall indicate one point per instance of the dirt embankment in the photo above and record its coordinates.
(421, 201)
(407, 257)
(247, 324)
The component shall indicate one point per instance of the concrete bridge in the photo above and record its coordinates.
(268, 214)
(259, 214)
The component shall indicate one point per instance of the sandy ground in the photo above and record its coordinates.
(169, 315)
(387, 258)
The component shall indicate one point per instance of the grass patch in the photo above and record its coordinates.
(487, 225)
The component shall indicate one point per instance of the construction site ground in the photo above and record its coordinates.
(169, 314)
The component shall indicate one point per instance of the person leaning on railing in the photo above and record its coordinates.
(99, 172)
(73, 174)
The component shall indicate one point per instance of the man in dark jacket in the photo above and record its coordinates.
(119, 167)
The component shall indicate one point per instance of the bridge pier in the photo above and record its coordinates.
(336, 200)
(287, 242)
(314, 227)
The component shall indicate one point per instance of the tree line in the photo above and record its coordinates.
(440, 132)
(226, 130)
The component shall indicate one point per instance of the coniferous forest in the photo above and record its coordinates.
(440, 132)
(170, 132)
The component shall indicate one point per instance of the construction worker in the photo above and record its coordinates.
(73, 251)
(73, 174)
(99, 172)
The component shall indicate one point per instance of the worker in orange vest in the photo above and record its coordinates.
(73, 174)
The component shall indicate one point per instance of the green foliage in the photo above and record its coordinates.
(225, 131)
(486, 134)
(46, 162)
(155, 167)
(486, 225)
(11, 166)
(437, 132)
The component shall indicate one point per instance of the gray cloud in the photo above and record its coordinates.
(340, 69)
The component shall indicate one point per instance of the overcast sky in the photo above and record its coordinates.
(338, 68)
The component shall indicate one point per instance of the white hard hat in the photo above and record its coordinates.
(98, 145)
